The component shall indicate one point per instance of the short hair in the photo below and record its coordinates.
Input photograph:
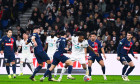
(130, 33)
(62, 33)
(93, 33)
(8, 30)
(36, 27)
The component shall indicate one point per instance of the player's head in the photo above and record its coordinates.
(36, 29)
(129, 35)
(25, 36)
(81, 37)
(62, 33)
(93, 36)
(9, 32)
(52, 34)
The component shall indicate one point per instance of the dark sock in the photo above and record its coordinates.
(129, 70)
(50, 74)
(8, 70)
(89, 68)
(70, 69)
(14, 68)
(47, 73)
(49, 65)
(124, 69)
(103, 70)
(36, 70)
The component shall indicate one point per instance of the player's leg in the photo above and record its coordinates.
(12, 60)
(132, 66)
(22, 60)
(69, 63)
(89, 67)
(14, 69)
(55, 71)
(30, 60)
(101, 62)
(7, 63)
(63, 71)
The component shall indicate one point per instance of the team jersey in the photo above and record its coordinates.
(26, 49)
(77, 47)
(96, 45)
(61, 45)
(51, 44)
(125, 47)
(9, 45)
(39, 47)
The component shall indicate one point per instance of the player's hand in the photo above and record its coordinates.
(105, 57)
(118, 58)
(1, 52)
(97, 54)
(135, 57)
(69, 52)
(35, 44)
(66, 48)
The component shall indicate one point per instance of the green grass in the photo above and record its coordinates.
(79, 80)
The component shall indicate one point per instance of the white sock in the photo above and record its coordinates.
(87, 71)
(62, 72)
(21, 67)
(32, 67)
(69, 74)
(55, 70)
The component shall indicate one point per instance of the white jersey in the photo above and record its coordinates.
(51, 44)
(25, 48)
(77, 47)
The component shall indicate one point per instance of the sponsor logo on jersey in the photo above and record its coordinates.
(126, 48)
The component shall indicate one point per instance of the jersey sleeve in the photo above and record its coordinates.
(63, 44)
(86, 44)
(120, 46)
(15, 45)
(131, 50)
(29, 39)
(100, 44)
(1, 46)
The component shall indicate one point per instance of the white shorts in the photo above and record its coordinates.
(27, 57)
(50, 56)
(78, 57)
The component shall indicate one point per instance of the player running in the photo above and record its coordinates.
(125, 46)
(40, 54)
(58, 56)
(78, 53)
(8, 42)
(26, 54)
(97, 46)
(51, 45)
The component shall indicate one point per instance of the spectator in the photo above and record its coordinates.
(136, 47)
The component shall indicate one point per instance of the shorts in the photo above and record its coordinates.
(125, 58)
(50, 56)
(27, 57)
(58, 57)
(97, 58)
(9, 58)
(78, 57)
(41, 57)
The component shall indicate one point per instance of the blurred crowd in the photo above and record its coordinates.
(110, 19)
(9, 12)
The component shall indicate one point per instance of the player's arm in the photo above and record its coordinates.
(46, 46)
(34, 41)
(15, 47)
(2, 46)
(102, 49)
(119, 47)
(131, 51)
(90, 48)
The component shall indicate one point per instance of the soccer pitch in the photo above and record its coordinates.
(79, 80)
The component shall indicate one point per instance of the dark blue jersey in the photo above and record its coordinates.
(9, 45)
(96, 45)
(60, 45)
(39, 47)
(125, 47)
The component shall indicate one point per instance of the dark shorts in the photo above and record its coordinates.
(125, 58)
(42, 57)
(9, 58)
(97, 58)
(59, 58)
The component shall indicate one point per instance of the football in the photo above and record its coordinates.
(86, 78)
